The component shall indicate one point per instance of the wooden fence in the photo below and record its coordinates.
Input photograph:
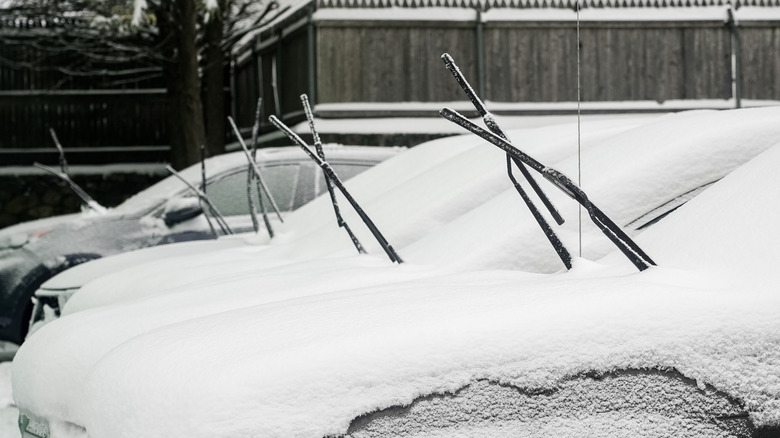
(376, 60)
(83, 118)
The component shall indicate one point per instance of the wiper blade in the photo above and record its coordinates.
(198, 192)
(491, 123)
(330, 173)
(63, 161)
(85, 199)
(252, 183)
(255, 168)
(203, 186)
(328, 183)
(63, 174)
(620, 239)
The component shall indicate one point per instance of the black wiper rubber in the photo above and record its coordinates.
(328, 183)
(330, 173)
(491, 123)
(620, 239)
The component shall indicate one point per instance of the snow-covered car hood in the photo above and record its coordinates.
(308, 366)
(18, 235)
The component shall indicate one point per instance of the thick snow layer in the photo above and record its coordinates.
(8, 411)
(467, 175)
(678, 153)
(734, 232)
(303, 347)
(307, 367)
(79, 275)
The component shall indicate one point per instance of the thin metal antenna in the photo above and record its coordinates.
(579, 125)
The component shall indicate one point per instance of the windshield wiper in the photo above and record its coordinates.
(252, 183)
(620, 239)
(204, 197)
(256, 169)
(331, 174)
(491, 123)
(86, 200)
(203, 187)
(318, 146)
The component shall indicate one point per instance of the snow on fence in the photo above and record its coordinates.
(371, 55)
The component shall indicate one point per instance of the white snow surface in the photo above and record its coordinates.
(8, 411)
(81, 274)
(314, 336)
(305, 367)
(468, 173)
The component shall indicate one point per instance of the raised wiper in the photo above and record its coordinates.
(331, 174)
(491, 123)
(203, 186)
(200, 194)
(252, 183)
(85, 199)
(63, 161)
(255, 168)
(318, 146)
(620, 239)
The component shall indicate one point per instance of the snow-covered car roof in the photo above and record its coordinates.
(293, 321)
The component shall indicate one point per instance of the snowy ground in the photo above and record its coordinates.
(8, 411)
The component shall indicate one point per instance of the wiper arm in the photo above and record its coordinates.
(620, 239)
(85, 199)
(491, 123)
(256, 169)
(330, 173)
(63, 174)
(204, 197)
(318, 146)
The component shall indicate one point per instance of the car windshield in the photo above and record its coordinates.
(169, 187)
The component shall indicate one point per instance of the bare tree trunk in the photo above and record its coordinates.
(214, 78)
(178, 28)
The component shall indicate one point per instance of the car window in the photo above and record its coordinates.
(648, 403)
(229, 193)
(344, 171)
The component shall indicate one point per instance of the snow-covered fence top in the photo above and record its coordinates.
(565, 4)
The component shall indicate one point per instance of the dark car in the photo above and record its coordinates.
(158, 215)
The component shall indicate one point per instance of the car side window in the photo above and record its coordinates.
(229, 193)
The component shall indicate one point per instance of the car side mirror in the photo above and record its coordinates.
(181, 209)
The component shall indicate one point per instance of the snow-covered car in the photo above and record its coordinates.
(357, 346)
(156, 216)
(462, 166)
(434, 202)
